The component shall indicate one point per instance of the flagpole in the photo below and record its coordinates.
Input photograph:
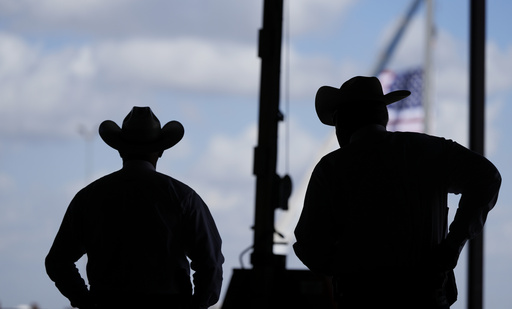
(388, 52)
(427, 70)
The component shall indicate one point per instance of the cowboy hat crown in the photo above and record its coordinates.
(357, 90)
(141, 132)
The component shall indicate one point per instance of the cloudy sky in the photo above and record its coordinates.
(65, 66)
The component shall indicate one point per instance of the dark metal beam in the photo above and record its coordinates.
(265, 155)
(263, 260)
(476, 138)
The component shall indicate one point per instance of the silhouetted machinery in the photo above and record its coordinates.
(269, 284)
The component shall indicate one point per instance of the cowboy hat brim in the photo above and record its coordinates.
(329, 99)
(170, 134)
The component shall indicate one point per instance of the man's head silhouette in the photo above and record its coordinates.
(358, 93)
(141, 137)
(141, 132)
(360, 101)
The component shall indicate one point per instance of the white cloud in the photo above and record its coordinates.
(192, 64)
(305, 148)
(498, 68)
(226, 19)
(316, 15)
(83, 65)
(49, 92)
(7, 183)
(501, 234)
(310, 72)
(59, 8)
(223, 174)
(410, 50)
(15, 55)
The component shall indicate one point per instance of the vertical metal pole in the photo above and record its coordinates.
(427, 71)
(476, 138)
(265, 159)
(265, 154)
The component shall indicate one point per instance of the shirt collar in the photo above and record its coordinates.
(138, 164)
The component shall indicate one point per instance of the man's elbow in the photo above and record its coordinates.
(52, 266)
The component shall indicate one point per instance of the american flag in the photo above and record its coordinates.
(406, 114)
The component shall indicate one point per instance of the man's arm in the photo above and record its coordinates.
(60, 264)
(316, 246)
(478, 181)
(204, 250)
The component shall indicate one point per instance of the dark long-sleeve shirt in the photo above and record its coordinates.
(138, 227)
(380, 202)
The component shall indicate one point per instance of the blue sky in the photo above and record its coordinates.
(71, 64)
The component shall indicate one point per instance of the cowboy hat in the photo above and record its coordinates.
(141, 132)
(354, 91)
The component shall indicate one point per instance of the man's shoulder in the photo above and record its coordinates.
(391, 140)
(181, 189)
(101, 181)
(160, 184)
(173, 181)
(120, 178)
(416, 136)
(422, 141)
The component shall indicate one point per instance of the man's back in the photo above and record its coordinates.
(376, 210)
(387, 194)
(138, 228)
(390, 194)
(132, 226)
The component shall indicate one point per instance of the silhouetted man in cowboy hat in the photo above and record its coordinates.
(138, 228)
(375, 211)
